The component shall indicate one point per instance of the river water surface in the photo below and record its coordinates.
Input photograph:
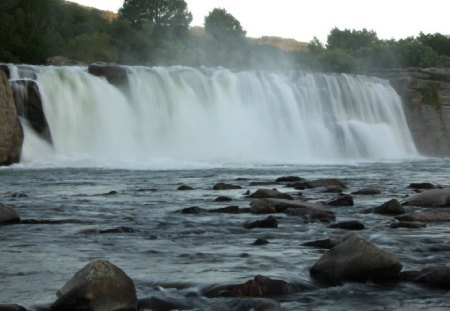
(75, 207)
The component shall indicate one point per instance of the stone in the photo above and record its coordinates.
(435, 277)
(355, 259)
(114, 74)
(423, 185)
(268, 222)
(226, 210)
(193, 210)
(427, 217)
(348, 225)
(430, 198)
(267, 193)
(325, 182)
(407, 224)
(253, 304)
(223, 199)
(259, 242)
(63, 61)
(11, 133)
(342, 200)
(118, 230)
(367, 191)
(332, 189)
(225, 186)
(29, 105)
(310, 212)
(184, 188)
(289, 179)
(99, 286)
(331, 242)
(8, 215)
(391, 207)
(262, 207)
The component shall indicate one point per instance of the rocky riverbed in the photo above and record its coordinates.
(325, 237)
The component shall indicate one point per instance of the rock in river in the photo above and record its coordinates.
(357, 260)
(268, 222)
(430, 198)
(391, 207)
(99, 286)
(8, 215)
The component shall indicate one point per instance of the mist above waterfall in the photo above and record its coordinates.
(219, 116)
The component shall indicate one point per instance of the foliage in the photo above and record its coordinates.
(224, 27)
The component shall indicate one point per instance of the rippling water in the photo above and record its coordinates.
(166, 246)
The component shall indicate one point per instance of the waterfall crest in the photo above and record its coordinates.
(220, 116)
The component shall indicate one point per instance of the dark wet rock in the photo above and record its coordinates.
(225, 186)
(332, 189)
(63, 61)
(262, 207)
(11, 133)
(185, 188)
(163, 304)
(342, 200)
(407, 224)
(268, 222)
(408, 276)
(29, 105)
(326, 182)
(367, 191)
(423, 185)
(310, 212)
(300, 185)
(427, 217)
(331, 242)
(115, 74)
(111, 193)
(19, 195)
(99, 286)
(259, 286)
(56, 222)
(289, 179)
(391, 207)
(430, 198)
(8, 215)
(118, 230)
(357, 260)
(262, 183)
(435, 277)
(348, 225)
(268, 193)
(11, 307)
(193, 210)
(226, 210)
(223, 199)
(259, 242)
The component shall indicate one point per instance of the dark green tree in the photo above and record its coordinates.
(163, 14)
(224, 27)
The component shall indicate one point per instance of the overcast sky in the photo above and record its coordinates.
(304, 19)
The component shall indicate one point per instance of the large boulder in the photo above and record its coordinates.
(99, 286)
(29, 105)
(11, 133)
(356, 260)
(8, 215)
(115, 74)
(430, 198)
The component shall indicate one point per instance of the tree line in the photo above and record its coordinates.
(158, 32)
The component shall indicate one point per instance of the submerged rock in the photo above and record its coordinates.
(11, 307)
(436, 277)
(225, 186)
(99, 286)
(342, 200)
(367, 191)
(391, 207)
(424, 185)
(268, 193)
(234, 209)
(289, 179)
(430, 198)
(259, 242)
(193, 210)
(268, 222)
(331, 242)
(427, 217)
(185, 188)
(310, 212)
(407, 224)
(325, 182)
(262, 207)
(223, 199)
(357, 260)
(348, 225)
(8, 215)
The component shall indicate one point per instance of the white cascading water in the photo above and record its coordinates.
(220, 116)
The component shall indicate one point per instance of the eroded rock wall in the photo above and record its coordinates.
(426, 97)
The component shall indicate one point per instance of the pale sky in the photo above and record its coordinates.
(304, 19)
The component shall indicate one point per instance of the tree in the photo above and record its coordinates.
(224, 27)
(164, 14)
(351, 40)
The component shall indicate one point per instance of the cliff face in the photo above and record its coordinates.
(426, 97)
(11, 134)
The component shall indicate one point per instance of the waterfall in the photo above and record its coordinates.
(221, 116)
